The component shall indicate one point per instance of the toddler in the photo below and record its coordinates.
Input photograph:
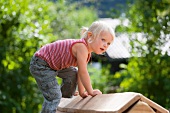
(61, 58)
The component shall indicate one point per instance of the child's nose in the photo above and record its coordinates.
(105, 45)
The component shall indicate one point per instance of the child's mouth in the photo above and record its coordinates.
(101, 49)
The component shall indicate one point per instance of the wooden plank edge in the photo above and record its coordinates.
(139, 107)
(64, 102)
(154, 105)
(136, 98)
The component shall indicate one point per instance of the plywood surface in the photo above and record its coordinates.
(154, 105)
(141, 107)
(106, 103)
(109, 103)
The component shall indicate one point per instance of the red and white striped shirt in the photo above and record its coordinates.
(59, 53)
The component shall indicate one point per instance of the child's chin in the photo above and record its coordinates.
(99, 53)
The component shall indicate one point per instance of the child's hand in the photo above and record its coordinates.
(84, 94)
(96, 92)
(76, 93)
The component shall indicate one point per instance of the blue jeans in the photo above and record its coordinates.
(48, 85)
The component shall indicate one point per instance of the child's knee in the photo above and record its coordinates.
(51, 90)
(67, 93)
(68, 89)
(53, 96)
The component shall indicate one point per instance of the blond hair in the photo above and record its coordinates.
(96, 28)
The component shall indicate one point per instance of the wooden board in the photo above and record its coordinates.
(141, 107)
(109, 103)
(105, 103)
(61, 112)
(154, 105)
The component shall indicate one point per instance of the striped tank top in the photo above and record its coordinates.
(59, 55)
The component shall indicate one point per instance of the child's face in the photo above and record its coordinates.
(101, 43)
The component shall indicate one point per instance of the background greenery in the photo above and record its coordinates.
(26, 25)
(148, 70)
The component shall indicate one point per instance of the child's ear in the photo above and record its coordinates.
(89, 34)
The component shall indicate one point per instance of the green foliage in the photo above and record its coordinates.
(148, 79)
(24, 27)
(20, 26)
(148, 71)
(69, 20)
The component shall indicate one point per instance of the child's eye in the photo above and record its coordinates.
(103, 39)
(108, 44)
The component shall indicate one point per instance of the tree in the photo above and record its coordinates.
(148, 70)
(24, 27)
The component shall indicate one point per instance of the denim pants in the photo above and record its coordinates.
(48, 85)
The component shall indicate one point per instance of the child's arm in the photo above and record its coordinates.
(83, 75)
(81, 89)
